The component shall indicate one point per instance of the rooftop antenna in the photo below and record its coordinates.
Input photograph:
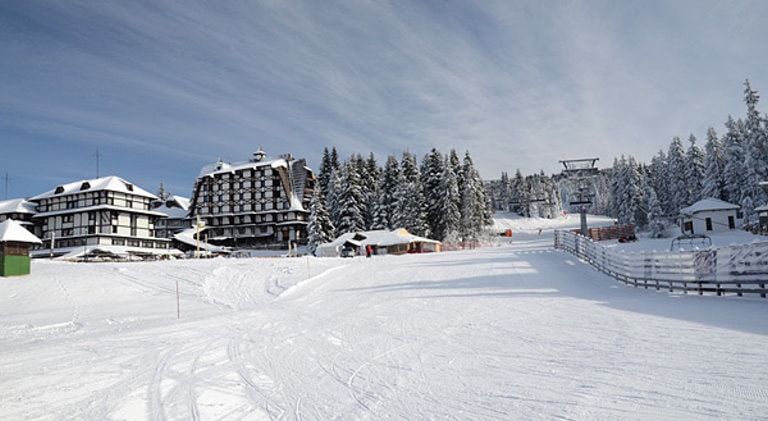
(97, 155)
(581, 170)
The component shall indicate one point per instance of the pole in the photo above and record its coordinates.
(97, 155)
(178, 305)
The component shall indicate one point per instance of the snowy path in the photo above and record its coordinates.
(508, 332)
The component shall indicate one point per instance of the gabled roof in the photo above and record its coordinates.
(179, 207)
(709, 204)
(221, 167)
(110, 183)
(381, 238)
(11, 230)
(17, 206)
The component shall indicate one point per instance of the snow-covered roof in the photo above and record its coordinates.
(75, 253)
(179, 208)
(17, 206)
(709, 204)
(381, 238)
(188, 237)
(221, 167)
(110, 183)
(11, 230)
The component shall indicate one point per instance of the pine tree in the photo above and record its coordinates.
(332, 201)
(734, 174)
(474, 201)
(694, 171)
(517, 193)
(650, 203)
(411, 203)
(372, 175)
(320, 229)
(714, 165)
(676, 165)
(755, 148)
(448, 224)
(328, 164)
(388, 205)
(505, 187)
(431, 180)
(659, 179)
(349, 201)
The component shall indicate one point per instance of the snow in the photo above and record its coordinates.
(111, 183)
(17, 206)
(709, 204)
(508, 332)
(11, 230)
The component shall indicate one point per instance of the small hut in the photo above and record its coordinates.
(15, 242)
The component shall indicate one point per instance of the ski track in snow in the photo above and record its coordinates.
(516, 331)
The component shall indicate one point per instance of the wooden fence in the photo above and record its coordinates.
(610, 232)
(738, 270)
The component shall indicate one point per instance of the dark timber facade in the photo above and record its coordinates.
(257, 203)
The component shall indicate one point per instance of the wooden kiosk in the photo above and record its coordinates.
(15, 242)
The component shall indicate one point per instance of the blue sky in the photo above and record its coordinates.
(162, 88)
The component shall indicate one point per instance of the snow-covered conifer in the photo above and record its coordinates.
(734, 173)
(448, 224)
(714, 165)
(431, 176)
(676, 164)
(411, 204)
(694, 171)
(319, 227)
(349, 200)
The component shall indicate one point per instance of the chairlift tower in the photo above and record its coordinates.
(581, 170)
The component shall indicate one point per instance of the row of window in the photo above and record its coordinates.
(252, 184)
(82, 201)
(206, 209)
(130, 242)
(241, 196)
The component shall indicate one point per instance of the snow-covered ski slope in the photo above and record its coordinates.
(518, 331)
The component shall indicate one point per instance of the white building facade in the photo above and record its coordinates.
(260, 202)
(708, 216)
(107, 211)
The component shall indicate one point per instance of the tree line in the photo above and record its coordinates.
(730, 167)
(441, 197)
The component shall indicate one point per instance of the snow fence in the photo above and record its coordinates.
(737, 269)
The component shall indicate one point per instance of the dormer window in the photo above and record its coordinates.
(85, 186)
(59, 190)
(129, 186)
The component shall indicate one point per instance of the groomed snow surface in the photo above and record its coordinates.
(517, 331)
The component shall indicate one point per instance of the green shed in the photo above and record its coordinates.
(15, 242)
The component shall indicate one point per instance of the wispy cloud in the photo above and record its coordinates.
(520, 84)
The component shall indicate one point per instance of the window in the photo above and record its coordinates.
(708, 221)
(134, 224)
(688, 227)
(731, 222)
